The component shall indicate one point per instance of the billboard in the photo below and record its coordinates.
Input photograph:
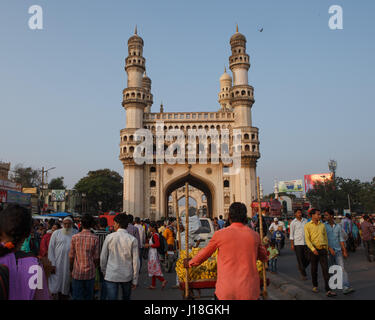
(311, 179)
(58, 195)
(291, 186)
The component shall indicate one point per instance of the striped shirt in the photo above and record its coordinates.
(84, 249)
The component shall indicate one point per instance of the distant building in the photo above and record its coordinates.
(4, 170)
(10, 192)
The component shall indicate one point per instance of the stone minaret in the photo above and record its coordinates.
(136, 99)
(225, 91)
(242, 93)
(146, 82)
(242, 99)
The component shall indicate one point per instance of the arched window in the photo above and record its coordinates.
(152, 183)
(153, 169)
(247, 148)
(254, 147)
(246, 136)
(226, 183)
(131, 138)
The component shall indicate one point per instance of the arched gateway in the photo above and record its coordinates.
(149, 185)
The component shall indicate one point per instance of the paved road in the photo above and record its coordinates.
(142, 293)
(361, 274)
(168, 293)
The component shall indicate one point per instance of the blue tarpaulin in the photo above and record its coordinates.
(59, 214)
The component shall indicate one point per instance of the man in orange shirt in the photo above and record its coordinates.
(239, 249)
(168, 235)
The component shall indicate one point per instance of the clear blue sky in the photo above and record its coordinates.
(61, 88)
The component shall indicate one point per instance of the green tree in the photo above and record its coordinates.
(102, 185)
(57, 184)
(26, 176)
(367, 196)
(337, 194)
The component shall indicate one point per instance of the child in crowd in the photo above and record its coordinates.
(272, 258)
(279, 238)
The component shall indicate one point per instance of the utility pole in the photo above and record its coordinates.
(349, 203)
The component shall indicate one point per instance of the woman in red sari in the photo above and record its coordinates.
(154, 267)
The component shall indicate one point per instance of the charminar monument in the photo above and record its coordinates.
(148, 187)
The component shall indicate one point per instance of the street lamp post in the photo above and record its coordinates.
(43, 186)
(332, 166)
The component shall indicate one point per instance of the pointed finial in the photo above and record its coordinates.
(237, 28)
(225, 69)
(135, 30)
(161, 107)
(144, 74)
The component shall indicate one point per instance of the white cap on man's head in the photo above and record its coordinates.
(275, 219)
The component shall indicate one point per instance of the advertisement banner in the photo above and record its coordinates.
(9, 185)
(58, 195)
(18, 198)
(291, 186)
(30, 190)
(311, 179)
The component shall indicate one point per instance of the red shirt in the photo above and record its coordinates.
(237, 274)
(84, 249)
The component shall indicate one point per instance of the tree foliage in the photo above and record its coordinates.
(26, 176)
(102, 185)
(57, 184)
(338, 193)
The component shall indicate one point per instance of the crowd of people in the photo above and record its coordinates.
(319, 239)
(85, 259)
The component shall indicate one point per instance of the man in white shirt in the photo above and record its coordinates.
(119, 260)
(275, 225)
(297, 242)
(142, 239)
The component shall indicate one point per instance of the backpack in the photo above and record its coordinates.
(163, 247)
